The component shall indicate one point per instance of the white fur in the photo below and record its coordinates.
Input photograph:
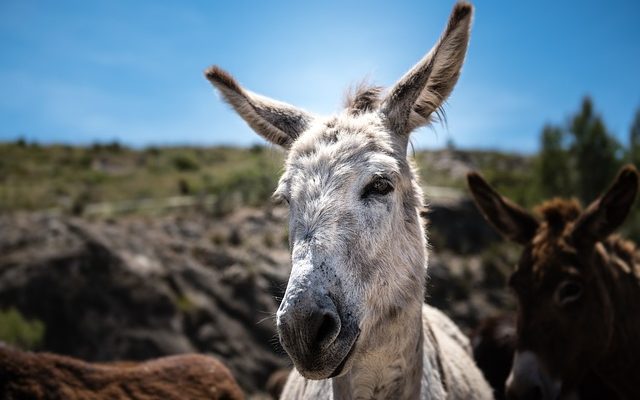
(362, 258)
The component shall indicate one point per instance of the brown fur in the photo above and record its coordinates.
(25, 375)
(578, 286)
(558, 213)
(494, 343)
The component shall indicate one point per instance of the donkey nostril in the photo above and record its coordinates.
(327, 327)
(536, 393)
(531, 393)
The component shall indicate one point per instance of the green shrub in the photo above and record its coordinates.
(184, 162)
(19, 331)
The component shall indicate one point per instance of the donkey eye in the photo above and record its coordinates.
(568, 292)
(378, 186)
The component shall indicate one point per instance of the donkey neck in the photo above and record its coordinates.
(391, 361)
(391, 364)
(621, 363)
(392, 369)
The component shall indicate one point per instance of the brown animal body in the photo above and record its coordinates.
(494, 344)
(33, 376)
(578, 291)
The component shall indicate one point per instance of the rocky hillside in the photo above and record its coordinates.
(137, 287)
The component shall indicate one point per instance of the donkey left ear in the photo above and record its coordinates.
(422, 91)
(278, 122)
(512, 221)
(607, 213)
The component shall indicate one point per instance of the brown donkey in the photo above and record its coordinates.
(494, 344)
(578, 291)
(35, 376)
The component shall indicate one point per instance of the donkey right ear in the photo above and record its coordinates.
(422, 91)
(607, 213)
(278, 122)
(508, 218)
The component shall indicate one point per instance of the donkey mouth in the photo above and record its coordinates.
(339, 369)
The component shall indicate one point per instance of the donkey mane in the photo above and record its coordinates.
(558, 217)
(624, 253)
(558, 213)
(363, 98)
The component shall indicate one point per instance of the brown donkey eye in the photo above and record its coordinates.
(568, 292)
(378, 186)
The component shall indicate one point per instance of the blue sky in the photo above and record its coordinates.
(85, 71)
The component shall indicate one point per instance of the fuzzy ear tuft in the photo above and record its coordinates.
(420, 94)
(221, 78)
(278, 122)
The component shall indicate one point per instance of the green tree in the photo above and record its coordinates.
(554, 178)
(595, 152)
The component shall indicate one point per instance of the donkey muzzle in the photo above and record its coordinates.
(529, 381)
(314, 335)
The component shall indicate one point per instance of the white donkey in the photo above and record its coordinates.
(352, 318)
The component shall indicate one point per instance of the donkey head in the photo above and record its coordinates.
(564, 310)
(357, 246)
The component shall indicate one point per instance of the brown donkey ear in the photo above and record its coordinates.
(508, 218)
(423, 90)
(279, 123)
(607, 213)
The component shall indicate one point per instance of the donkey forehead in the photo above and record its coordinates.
(546, 261)
(552, 251)
(341, 147)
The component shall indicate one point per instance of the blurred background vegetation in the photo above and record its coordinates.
(577, 158)
(19, 331)
(66, 178)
